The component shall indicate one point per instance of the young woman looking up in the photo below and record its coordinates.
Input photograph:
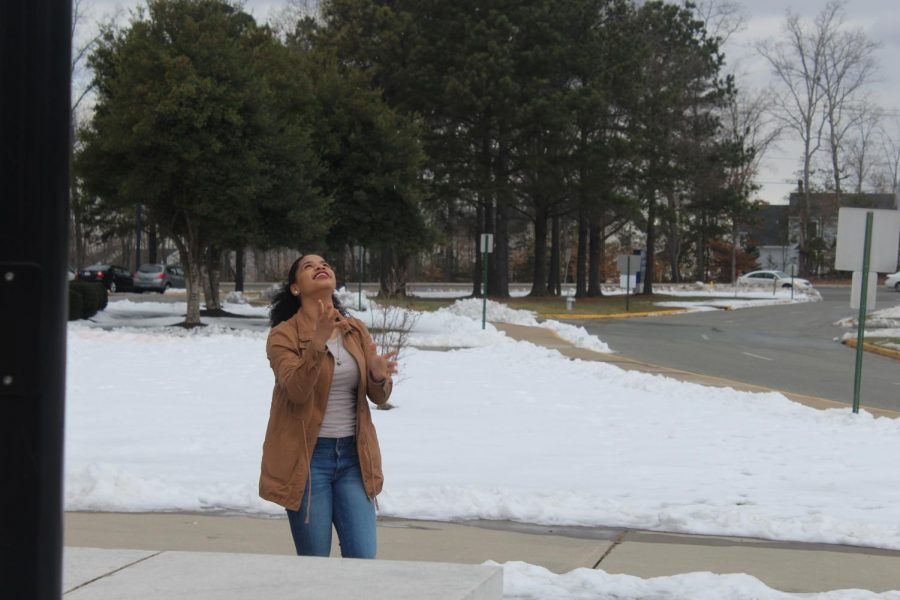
(321, 459)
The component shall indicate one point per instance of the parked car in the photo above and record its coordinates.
(114, 277)
(158, 278)
(773, 278)
(893, 282)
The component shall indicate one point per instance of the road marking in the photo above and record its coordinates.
(704, 336)
(757, 356)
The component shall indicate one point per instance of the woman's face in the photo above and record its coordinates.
(313, 275)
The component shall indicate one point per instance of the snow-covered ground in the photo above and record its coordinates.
(165, 419)
(883, 323)
(522, 581)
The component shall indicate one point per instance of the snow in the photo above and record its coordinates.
(522, 581)
(879, 323)
(167, 419)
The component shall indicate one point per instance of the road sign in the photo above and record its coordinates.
(628, 263)
(851, 234)
(487, 243)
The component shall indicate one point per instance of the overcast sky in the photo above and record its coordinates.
(880, 19)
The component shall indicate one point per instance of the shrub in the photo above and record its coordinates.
(101, 298)
(76, 303)
(92, 298)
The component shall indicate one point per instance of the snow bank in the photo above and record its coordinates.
(172, 420)
(522, 581)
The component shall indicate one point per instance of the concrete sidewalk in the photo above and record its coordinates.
(790, 567)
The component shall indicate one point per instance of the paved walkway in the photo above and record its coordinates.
(786, 566)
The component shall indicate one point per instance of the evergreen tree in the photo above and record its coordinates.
(185, 125)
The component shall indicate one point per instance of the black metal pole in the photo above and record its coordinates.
(35, 50)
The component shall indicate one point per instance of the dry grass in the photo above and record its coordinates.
(603, 305)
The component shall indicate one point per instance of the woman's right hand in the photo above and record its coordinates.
(328, 319)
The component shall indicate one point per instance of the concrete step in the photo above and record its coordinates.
(101, 574)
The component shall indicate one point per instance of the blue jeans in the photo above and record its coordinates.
(338, 496)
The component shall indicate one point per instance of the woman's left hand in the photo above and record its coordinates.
(381, 366)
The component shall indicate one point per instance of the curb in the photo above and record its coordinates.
(628, 315)
(874, 349)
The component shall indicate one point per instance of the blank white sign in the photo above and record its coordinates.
(852, 235)
(628, 263)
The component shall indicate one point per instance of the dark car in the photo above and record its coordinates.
(158, 278)
(113, 277)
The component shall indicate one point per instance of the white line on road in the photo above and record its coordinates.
(757, 356)
(704, 336)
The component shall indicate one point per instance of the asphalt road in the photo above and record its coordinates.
(786, 347)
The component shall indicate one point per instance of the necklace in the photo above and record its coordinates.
(336, 351)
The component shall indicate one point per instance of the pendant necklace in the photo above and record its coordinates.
(337, 345)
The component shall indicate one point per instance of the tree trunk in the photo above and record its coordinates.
(498, 280)
(499, 272)
(539, 274)
(210, 275)
(581, 259)
(239, 270)
(79, 243)
(595, 263)
(477, 279)
(191, 258)
(449, 255)
(651, 243)
(392, 282)
(152, 244)
(553, 283)
(673, 239)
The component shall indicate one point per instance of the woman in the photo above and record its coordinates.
(321, 460)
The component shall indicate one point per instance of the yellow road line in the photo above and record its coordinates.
(599, 317)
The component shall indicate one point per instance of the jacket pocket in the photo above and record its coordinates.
(281, 451)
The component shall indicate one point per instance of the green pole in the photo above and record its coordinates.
(863, 300)
(484, 259)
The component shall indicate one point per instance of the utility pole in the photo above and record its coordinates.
(35, 48)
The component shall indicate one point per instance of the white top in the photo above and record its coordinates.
(340, 414)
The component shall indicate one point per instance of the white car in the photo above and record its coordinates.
(893, 282)
(773, 278)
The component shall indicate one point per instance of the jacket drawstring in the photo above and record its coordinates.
(372, 475)
(308, 474)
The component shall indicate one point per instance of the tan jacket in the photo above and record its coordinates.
(302, 382)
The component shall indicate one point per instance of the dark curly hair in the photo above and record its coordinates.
(285, 304)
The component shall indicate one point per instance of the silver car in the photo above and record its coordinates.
(893, 282)
(158, 278)
(774, 278)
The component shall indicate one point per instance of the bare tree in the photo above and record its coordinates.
(390, 331)
(849, 67)
(886, 177)
(723, 18)
(748, 120)
(284, 21)
(84, 37)
(798, 61)
(859, 157)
